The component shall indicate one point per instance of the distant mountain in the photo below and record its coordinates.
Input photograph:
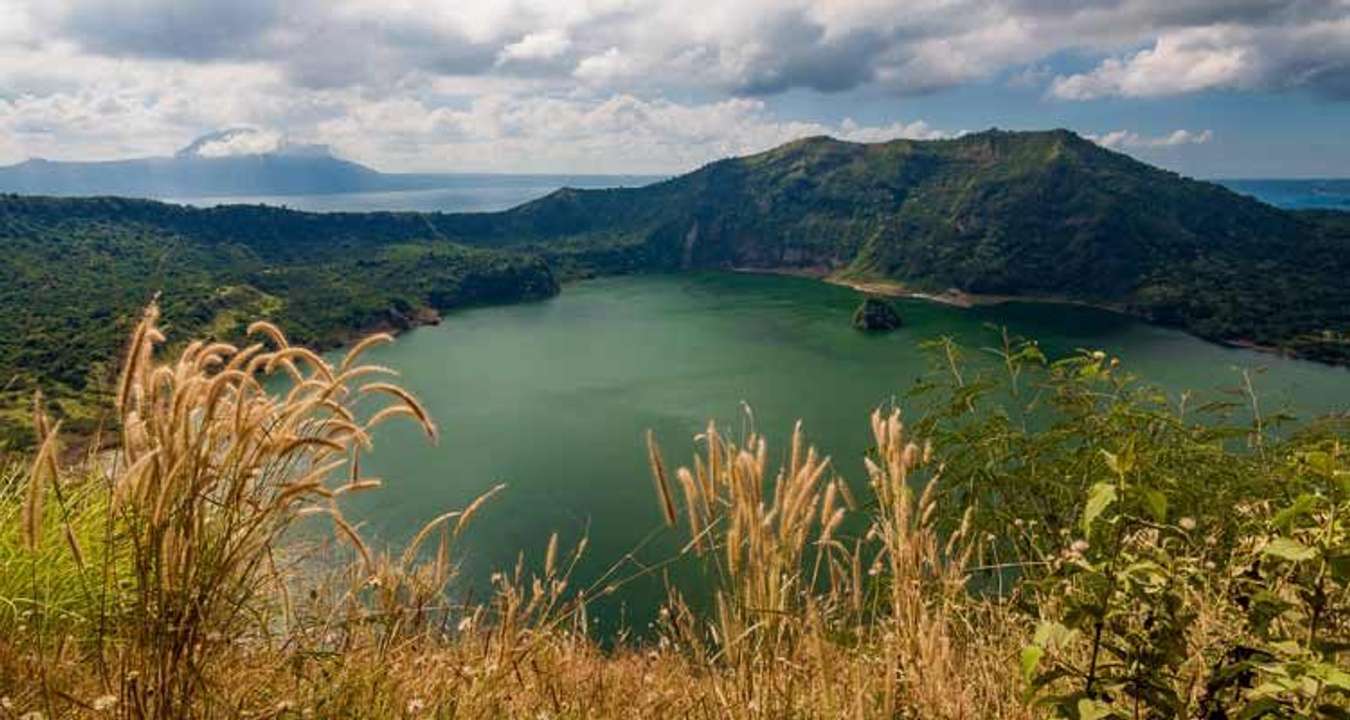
(186, 176)
(1027, 214)
(229, 162)
(250, 163)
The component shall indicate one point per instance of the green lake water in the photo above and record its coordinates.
(552, 398)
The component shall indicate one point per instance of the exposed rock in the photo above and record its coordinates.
(876, 315)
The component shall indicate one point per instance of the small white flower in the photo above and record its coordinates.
(1187, 524)
(415, 706)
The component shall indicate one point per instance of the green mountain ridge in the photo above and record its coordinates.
(1033, 214)
(1030, 214)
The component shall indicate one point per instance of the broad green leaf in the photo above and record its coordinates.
(1334, 712)
(1322, 462)
(1290, 550)
(1263, 706)
(1156, 502)
(1030, 659)
(1092, 710)
(1112, 461)
(1099, 497)
(1340, 567)
(1331, 675)
(1300, 507)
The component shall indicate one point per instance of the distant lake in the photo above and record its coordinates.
(1330, 194)
(465, 193)
(553, 397)
(492, 192)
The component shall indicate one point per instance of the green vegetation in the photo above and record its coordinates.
(1033, 214)
(1050, 539)
(76, 271)
(1038, 214)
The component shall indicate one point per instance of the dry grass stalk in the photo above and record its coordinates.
(792, 586)
(818, 610)
(213, 470)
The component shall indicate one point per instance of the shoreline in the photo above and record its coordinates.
(964, 300)
(951, 296)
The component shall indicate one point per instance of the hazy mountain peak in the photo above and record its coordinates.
(248, 140)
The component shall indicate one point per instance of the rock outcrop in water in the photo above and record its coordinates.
(876, 315)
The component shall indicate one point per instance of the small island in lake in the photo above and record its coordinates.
(876, 315)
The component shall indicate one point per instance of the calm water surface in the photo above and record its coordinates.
(552, 398)
(466, 193)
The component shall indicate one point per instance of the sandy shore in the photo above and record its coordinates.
(885, 288)
(951, 296)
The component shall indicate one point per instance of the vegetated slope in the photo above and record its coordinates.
(1036, 214)
(1041, 214)
(74, 273)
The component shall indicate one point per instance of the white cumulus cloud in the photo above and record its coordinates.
(1121, 139)
(244, 141)
(543, 45)
(656, 84)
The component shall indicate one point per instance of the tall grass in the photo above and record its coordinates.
(878, 624)
(166, 579)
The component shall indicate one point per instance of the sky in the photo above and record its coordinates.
(1209, 88)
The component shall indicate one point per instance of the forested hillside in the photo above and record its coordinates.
(1040, 215)
(74, 273)
(1037, 214)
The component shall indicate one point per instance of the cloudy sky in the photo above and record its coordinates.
(1213, 88)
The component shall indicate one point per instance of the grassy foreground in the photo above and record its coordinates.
(1056, 540)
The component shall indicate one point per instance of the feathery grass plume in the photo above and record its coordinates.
(32, 512)
(410, 402)
(350, 534)
(473, 507)
(551, 555)
(213, 470)
(789, 591)
(410, 552)
(659, 477)
(44, 472)
(361, 347)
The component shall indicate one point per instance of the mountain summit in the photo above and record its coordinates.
(1044, 214)
(235, 161)
(237, 141)
(1035, 215)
